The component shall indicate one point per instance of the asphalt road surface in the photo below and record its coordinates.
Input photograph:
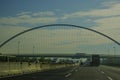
(73, 73)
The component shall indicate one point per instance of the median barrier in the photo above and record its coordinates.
(18, 68)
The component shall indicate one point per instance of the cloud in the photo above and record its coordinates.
(110, 3)
(24, 13)
(46, 13)
(25, 18)
(38, 14)
(111, 10)
(106, 18)
(108, 9)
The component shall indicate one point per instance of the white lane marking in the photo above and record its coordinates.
(109, 78)
(68, 75)
(76, 70)
(71, 70)
(102, 72)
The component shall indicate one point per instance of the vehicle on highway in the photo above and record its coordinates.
(95, 60)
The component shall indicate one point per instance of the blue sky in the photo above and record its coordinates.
(13, 7)
(101, 15)
(59, 8)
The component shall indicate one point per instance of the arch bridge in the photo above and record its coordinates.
(70, 25)
(25, 31)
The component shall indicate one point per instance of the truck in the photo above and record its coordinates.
(95, 60)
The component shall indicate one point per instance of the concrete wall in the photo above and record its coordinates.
(17, 68)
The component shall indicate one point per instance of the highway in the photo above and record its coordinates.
(72, 73)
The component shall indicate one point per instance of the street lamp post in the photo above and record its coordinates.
(114, 51)
(20, 61)
(114, 54)
(33, 50)
(8, 63)
(18, 48)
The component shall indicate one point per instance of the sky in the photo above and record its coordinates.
(100, 15)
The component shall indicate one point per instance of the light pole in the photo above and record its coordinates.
(18, 48)
(114, 53)
(18, 51)
(8, 63)
(20, 61)
(33, 50)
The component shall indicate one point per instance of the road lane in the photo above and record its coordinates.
(113, 73)
(73, 73)
(57, 74)
(87, 73)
